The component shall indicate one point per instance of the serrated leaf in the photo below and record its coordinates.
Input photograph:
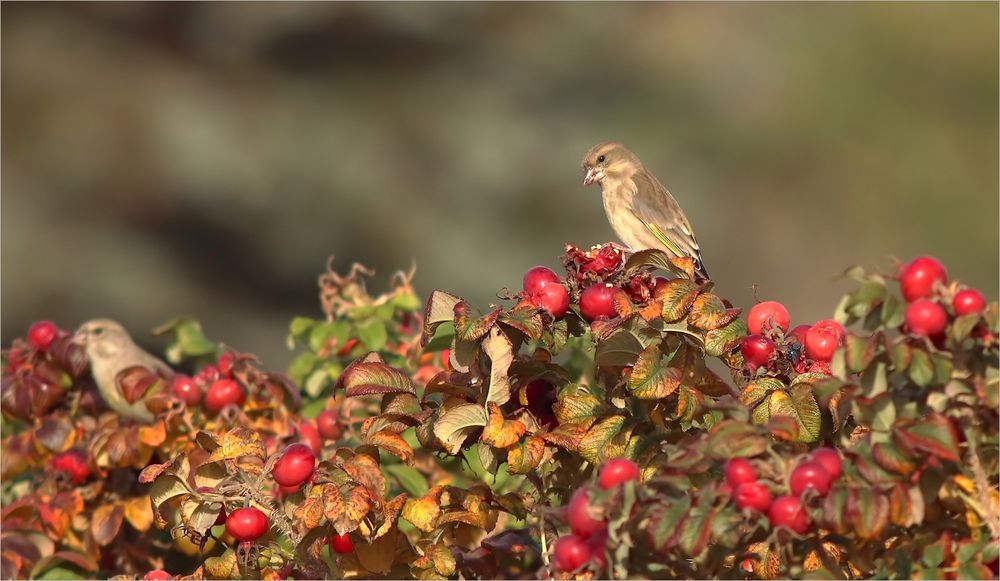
(891, 459)
(800, 405)
(592, 445)
(690, 403)
(709, 312)
(758, 390)
(619, 349)
(499, 431)
(237, 443)
(576, 407)
(525, 318)
(394, 444)
(375, 378)
(526, 456)
(727, 338)
(677, 296)
(457, 423)
(470, 325)
(651, 378)
(501, 353)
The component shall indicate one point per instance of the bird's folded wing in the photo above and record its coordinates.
(667, 223)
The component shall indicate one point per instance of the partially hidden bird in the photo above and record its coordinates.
(639, 207)
(111, 351)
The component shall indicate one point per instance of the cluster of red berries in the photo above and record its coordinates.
(214, 387)
(806, 347)
(588, 540)
(817, 472)
(590, 271)
(924, 284)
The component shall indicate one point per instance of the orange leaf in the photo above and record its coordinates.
(106, 522)
(500, 432)
(139, 513)
(238, 442)
(423, 512)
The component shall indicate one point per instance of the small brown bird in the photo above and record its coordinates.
(111, 350)
(640, 209)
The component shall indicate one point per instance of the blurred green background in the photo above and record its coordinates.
(205, 158)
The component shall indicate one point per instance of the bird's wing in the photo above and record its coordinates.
(663, 216)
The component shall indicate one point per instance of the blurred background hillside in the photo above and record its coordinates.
(205, 158)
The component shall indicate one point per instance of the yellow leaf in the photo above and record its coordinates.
(526, 456)
(238, 442)
(394, 444)
(500, 432)
(222, 567)
(423, 512)
(139, 513)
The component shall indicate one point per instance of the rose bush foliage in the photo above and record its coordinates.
(640, 431)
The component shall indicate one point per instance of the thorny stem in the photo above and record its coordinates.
(278, 516)
(982, 489)
(541, 525)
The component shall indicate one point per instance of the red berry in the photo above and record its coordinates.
(739, 471)
(341, 543)
(247, 524)
(925, 318)
(822, 342)
(187, 390)
(767, 315)
(570, 553)
(598, 548)
(799, 333)
(810, 474)
(787, 511)
(578, 515)
(309, 435)
(830, 459)
(223, 393)
(968, 301)
(552, 297)
(617, 471)
(157, 575)
(328, 425)
(756, 350)
(819, 367)
(538, 277)
(833, 326)
(295, 465)
(597, 301)
(42, 334)
(74, 464)
(225, 364)
(752, 495)
(289, 490)
(917, 278)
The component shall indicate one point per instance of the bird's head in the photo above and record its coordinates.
(102, 338)
(608, 160)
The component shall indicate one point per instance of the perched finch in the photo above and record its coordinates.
(111, 351)
(642, 212)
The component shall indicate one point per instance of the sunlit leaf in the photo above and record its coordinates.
(499, 431)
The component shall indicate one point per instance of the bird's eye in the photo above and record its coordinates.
(99, 331)
(600, 159)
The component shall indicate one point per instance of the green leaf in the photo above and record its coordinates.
(963, 326)
(316, 382)
(187, 339)
(709, 312)
(524, 318)
(650, 378)
(301, 366)
(664, 521)
(408, 478)
(719, 341)
(455, 425)
(501, 353)
(297, 328)
(373, 334)
(440, 308)
(801, 406)
(696, 531)
(592, 445)
(901, 355)
(690, 402)
(756, 391)
(921, 368)
(893, 312)
(931, 434)
(406, 301)
(621, 348)
(867, 297)
(891, 459)
(470, 325)
(677, 295)
(869, 512)
(860, 351)
(323, 333)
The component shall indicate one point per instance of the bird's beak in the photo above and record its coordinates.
(78, 338)
(593, 175)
